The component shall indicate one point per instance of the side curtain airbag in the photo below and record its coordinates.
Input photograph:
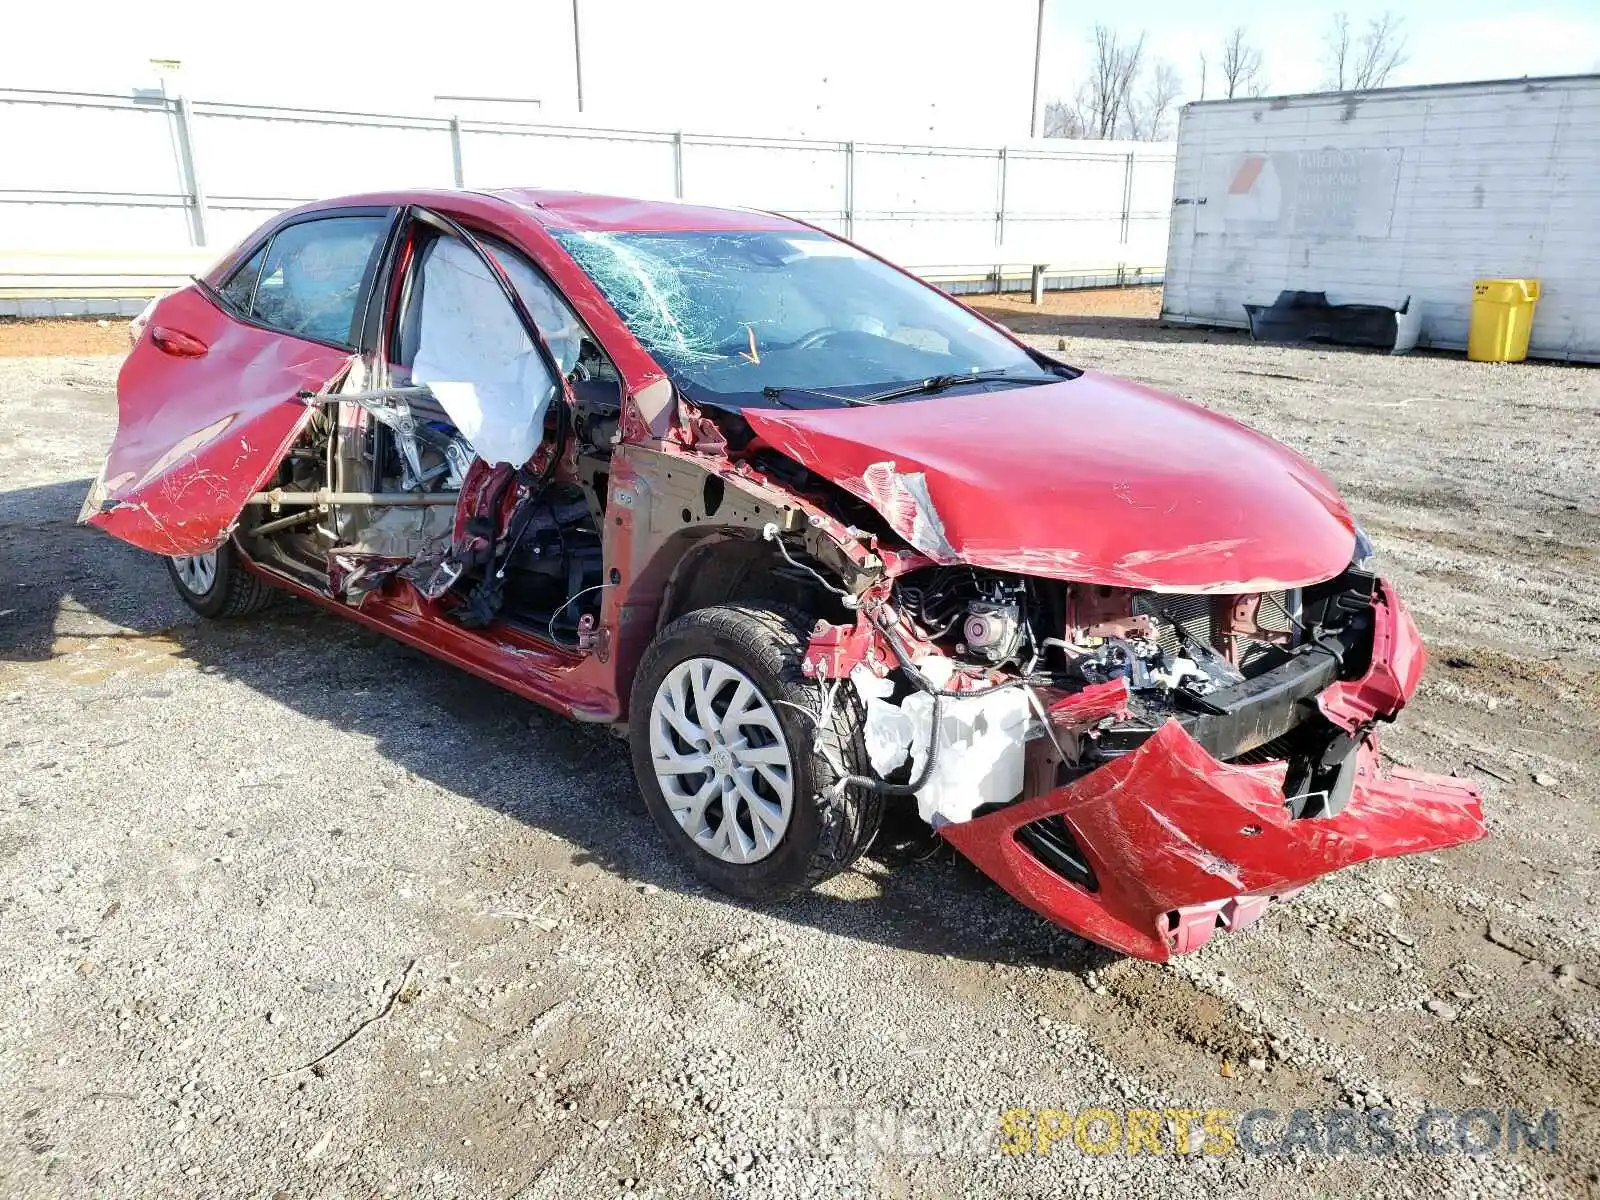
(478, 360)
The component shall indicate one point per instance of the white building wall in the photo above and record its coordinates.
(1435, 187)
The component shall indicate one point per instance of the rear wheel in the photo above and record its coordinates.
(735, 769)
(216, 584)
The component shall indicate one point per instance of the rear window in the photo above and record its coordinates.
(308, 279)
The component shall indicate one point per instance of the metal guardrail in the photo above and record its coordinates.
(33, 281)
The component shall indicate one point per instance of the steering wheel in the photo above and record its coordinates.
(815, 338)
(804, 342)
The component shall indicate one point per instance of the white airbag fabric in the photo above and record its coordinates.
(478, 360)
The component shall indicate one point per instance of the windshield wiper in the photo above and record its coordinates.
(941, 383)
(772, 392)
(934, 383)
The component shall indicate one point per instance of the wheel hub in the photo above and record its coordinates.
(722, 760)
(197, 572)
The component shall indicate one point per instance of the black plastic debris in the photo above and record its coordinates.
(1308, 317)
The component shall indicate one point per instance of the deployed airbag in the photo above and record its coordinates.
(477, 359)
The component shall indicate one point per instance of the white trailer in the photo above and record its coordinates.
(1375, 196)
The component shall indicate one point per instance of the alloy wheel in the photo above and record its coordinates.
(197, 572)
(722, 760)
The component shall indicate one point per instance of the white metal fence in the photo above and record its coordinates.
(105, 197)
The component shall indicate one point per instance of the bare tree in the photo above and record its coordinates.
(1241, 66)
(1150, 110)
(1357, 64)
(1115, 66)
(1203, 65)
(1336, 57)
(1383, 51)
(1063, 119)
(1124, 95)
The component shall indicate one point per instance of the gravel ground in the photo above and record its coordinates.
(227, 848)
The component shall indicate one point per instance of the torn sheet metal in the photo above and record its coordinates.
(1173, 835)
(1398, 660)
(1092, 479)
(433, 574)
(477, 359)
(835, 650)
(905, 494)
(1087, 708)
(1309, 317)
(198, 435)
(353, 576)
(981, 743)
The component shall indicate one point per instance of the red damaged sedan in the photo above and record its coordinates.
(813, 536)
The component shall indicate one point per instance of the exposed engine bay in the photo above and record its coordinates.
(1172, 650)
(1096, 671)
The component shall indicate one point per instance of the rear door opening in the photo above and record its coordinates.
(471, 464)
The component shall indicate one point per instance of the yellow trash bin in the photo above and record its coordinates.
(1502, 318)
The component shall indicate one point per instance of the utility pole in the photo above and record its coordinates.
(577, 52)
(1038, 48)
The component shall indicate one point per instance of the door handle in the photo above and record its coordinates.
(176, 343)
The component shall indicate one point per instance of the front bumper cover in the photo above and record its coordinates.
(1181, 844)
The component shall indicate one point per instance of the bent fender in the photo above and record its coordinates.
(1173, 833)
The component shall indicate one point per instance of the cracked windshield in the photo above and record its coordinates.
(792, 318)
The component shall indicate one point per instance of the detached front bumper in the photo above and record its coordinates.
(1179, 844)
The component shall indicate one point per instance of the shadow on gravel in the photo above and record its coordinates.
(466, 736)
(57, 577)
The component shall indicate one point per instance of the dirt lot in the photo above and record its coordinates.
(224, 848)
(25, 339)
(1012, 307)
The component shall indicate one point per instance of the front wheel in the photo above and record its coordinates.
(737, 758)
(216, 584)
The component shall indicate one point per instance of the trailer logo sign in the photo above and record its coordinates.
(1326, 193)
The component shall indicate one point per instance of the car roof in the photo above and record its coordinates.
(586, 211)
(591, 212)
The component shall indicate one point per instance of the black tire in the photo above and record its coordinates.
(234, 591)
(824, 836)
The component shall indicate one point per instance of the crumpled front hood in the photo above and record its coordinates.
(1094, 479)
